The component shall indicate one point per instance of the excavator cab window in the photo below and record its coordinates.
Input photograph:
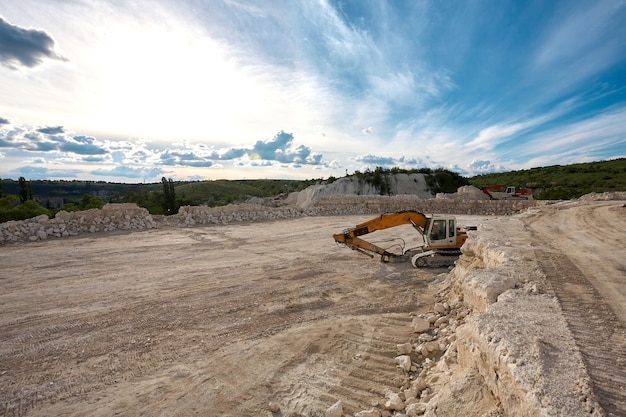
(438, 231)
(451, 228)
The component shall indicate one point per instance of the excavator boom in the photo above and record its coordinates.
(384, 221)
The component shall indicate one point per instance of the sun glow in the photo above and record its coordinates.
(165, 84)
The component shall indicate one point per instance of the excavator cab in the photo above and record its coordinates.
(441, 233)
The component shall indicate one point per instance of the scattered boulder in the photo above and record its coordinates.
(404, 348)
(420, 325)
(368, 413)
(404, 362)
(335, 410)
(394, 402)
(415, 409)
(273, 407)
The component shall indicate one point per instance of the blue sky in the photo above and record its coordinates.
(188, 89)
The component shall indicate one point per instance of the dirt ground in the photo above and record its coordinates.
(582, 250)
(224, 320)
(214, 320)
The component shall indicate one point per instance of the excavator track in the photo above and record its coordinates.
(436, 259)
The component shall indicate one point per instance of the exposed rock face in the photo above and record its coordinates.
(516, 338)
(399, 184)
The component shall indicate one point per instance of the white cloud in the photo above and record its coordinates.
(491, 136)
(476, 167)
(585, 40)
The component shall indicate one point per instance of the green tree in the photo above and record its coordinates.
(10, 209)
(25, 191)
(170, 196)
(91, 201)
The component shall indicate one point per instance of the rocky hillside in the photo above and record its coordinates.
(398, 184)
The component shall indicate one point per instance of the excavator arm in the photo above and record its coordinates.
(350, 237)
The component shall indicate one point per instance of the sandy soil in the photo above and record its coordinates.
(208, 321)
(224, 320)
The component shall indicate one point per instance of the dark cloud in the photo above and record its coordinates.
(130, 172)
(269, 148)
(93, 159)
(4, 121)
(184, 158)
(31, 172)
(382, 161)
(82, 145)
(280, 148)
(42, 173)
(26, 47)
(51, 130)
(228, 154)
(37, 143)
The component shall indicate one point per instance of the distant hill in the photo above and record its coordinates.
(211, 193)
(72, 191)
(222, 192)
(557, 182)
(562, 182)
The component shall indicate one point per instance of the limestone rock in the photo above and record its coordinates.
(335, 410)
(394, 402)
(440, 308)
(273, 407)
(420, 325)
(419, 384)
(368, 413)
(404, 362)
(404, 348)
(415, 409)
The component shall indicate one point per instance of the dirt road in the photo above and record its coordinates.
(217, 320)
(582, 251)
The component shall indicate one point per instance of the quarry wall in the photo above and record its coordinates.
(516, 336)
(131, 217)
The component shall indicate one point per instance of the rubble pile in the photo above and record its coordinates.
(131, 217)
(112, 217)
(466, 192)
(611, 195)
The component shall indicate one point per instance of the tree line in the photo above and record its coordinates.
(23, 205)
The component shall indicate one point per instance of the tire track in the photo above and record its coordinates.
(598, 333)
(576, 247)
(362, 368)
(212, 333)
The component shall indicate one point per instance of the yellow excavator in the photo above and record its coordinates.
(442, 238)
